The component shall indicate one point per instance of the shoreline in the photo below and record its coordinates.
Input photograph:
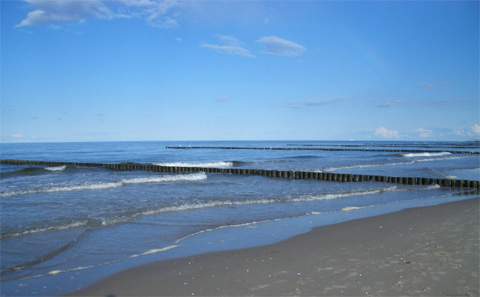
(420, 251)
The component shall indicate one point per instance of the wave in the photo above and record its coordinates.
(45, 229)
(352, 208)
(414, 155)
(43, 258)
(56, 168)
(219, 164)
(32, 171)
(109, 185)
(155, 251)
(55, 272)
(368, 165)
(165, 178)
(91, 223)
(345, 194)
(394, 163)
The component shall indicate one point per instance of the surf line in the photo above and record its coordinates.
(329, 149)
(286, 174)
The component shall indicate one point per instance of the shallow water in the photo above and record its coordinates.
(74, 226)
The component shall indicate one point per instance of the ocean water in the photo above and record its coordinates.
(64, 228)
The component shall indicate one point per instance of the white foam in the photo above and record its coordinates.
(369, 165)
(425, 154)
(393, 163)
(343, 195)
(226, 203)
(166, 178)
(248, 224)
(212, 204)
(50, 228)
(55, 272)
(56, 168)
(155, 251)
(110, 185)
(204, 165)
(440, 159)
(351, 208)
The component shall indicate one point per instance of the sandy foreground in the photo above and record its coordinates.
(430, 251)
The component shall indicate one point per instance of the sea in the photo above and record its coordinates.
(65, 228)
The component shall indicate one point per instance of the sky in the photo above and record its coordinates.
(95, 70)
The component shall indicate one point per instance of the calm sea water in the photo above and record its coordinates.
(64, 228)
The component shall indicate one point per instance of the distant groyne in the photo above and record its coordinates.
(286, 174)
(328, 149)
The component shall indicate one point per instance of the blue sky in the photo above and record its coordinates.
(197, 70)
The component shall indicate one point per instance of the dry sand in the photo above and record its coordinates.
(430, 251)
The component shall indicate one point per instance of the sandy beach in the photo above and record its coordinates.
(432, 251)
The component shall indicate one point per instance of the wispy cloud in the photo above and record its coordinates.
(313, 103)
(419, 103)
(222, 99)
(274, 45)
(427, 86)
(476, 129)
(389, 104)
(424, 133)
(386, 133)
(17, 136)
(54, 12)
(229, 45)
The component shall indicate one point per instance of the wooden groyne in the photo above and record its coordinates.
(328, 149)
(287, 174)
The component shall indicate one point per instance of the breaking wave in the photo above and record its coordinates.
(393, 163)
(56, 168)
(352, 208)
(414, 155)
(32, 171)
(109, 185)
(219, 164)
(194, 206)
(343, 195)
(45, 229)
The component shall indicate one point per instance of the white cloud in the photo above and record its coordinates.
(424, 133)
(281, 47)
(476, 129)
(383, 132)
(229, 45)
(59, 11)
(155, 12)
(17, 136)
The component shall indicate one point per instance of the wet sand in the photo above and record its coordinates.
(431, 251)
